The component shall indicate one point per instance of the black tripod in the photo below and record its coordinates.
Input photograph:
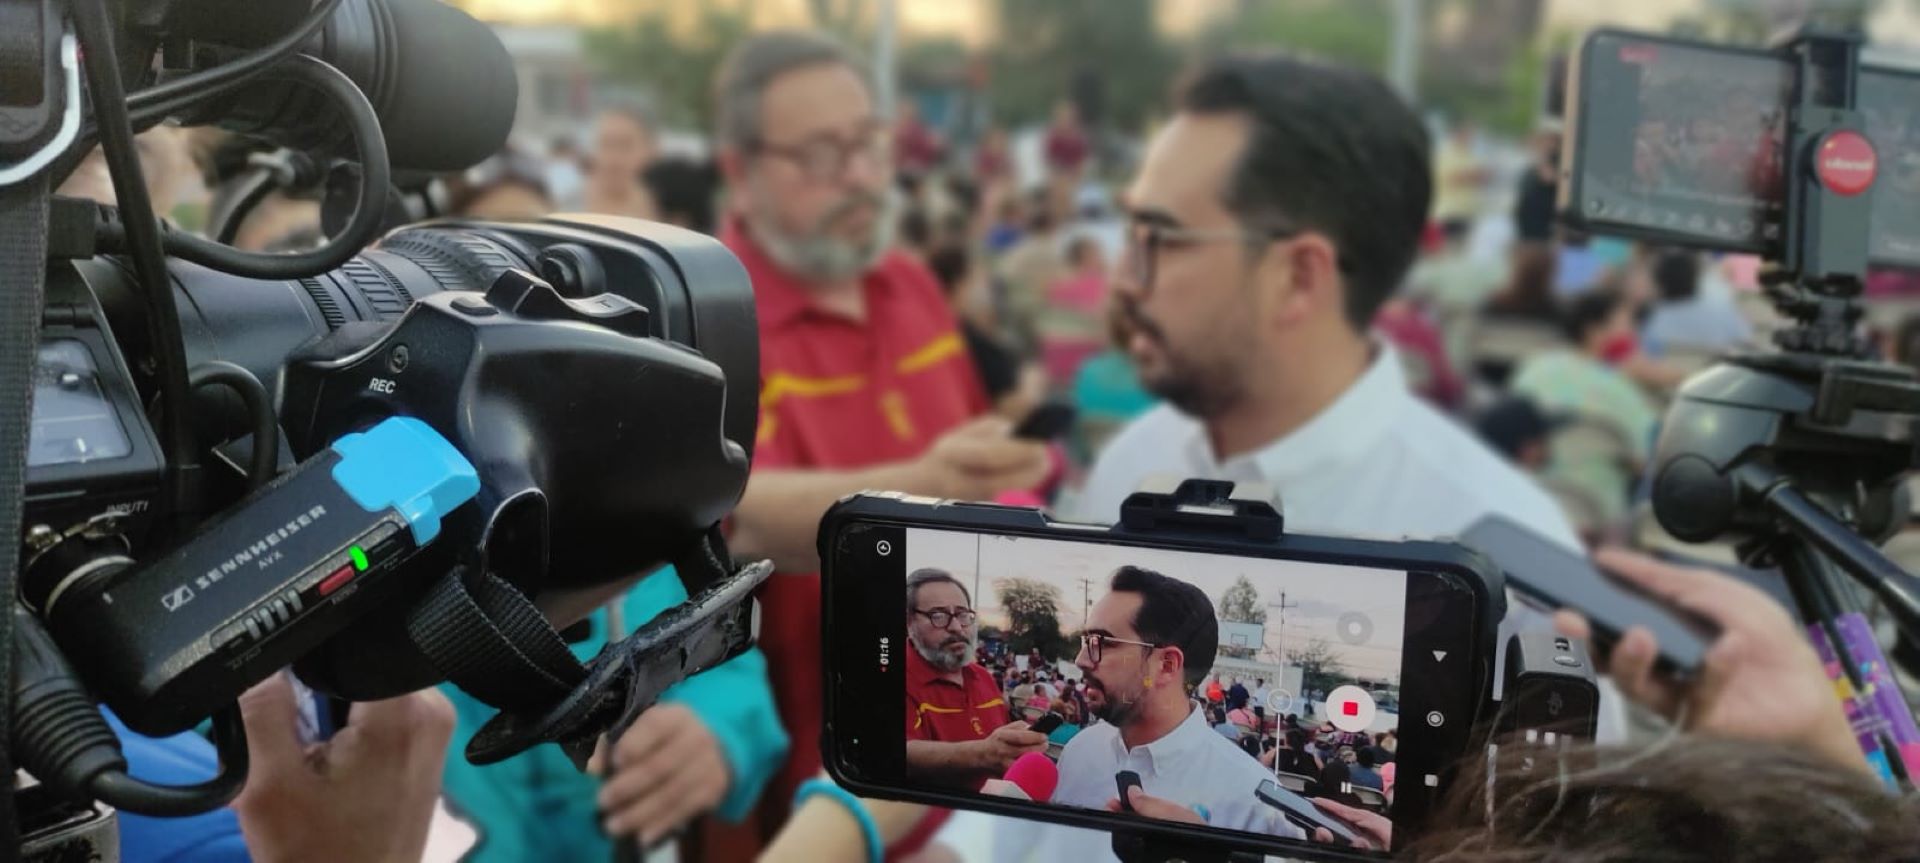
(1802, 455)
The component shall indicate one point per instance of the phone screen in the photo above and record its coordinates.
(1686, 142)
(1679, 139)
(1181, 666)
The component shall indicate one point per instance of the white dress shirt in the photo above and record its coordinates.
(1192, 766)
(1378, 462)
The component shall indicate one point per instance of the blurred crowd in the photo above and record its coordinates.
(1247, 301)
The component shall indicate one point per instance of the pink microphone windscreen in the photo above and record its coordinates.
(1035, 774)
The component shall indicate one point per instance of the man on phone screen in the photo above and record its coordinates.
(1148, 642)
(960, 731)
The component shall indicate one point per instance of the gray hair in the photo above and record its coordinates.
(754, 64)
(928, 575)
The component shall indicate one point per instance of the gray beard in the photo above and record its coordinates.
(819, 257)
(947, 663)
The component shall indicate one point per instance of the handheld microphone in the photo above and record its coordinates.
(1035, 775)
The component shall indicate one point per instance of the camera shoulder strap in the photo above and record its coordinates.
(491, 641)
(23, 271)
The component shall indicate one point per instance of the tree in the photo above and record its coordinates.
(1033, 616)
(674, 69)
(1343, 31)
(1107, 52)
(1241, 603)
(1319, 669)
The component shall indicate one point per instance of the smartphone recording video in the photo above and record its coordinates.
(1102, 680)
(1684, 142)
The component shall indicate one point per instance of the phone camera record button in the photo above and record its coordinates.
(883, 548)
(1567, 661)
(1436, 719)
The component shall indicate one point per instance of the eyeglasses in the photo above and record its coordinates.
(823, 158)
(1140, 256)
(1095, 642)
(941, 618)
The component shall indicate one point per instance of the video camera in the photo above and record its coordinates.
(385, 466)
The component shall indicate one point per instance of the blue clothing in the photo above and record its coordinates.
(1365, 777)
(1063, 733)
(183, 759)
(1108, 387)
(537, 806)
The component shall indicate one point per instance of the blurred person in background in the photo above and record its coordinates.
(1026, 271)
(865, 377)
(916, 147)
(1067, 151)
(509, 187)
(1517, 429)
(1690, 315)
(1106, 392)
(1460, 178)
(1528, 294)
(1014, 387)
(624, 143)
(1585, 381)
(1539, 187)
(566, 179)
(1072, 326)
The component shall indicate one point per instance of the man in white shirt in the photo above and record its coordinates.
(1149, 641)
(1271, 219)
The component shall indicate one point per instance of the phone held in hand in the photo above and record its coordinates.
(971, 616)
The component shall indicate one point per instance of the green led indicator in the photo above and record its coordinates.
(359, 558)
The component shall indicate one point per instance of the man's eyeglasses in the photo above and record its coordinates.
(824, 158)
(1140, 257)
(1094, 644)
(941, 618)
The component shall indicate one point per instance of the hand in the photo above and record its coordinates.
(367, 794)
(1157, 808)
(1760, 680)
(981, 459)
(668, 768)
(1374, 830)
(1007, 743)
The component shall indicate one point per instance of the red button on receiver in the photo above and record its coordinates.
(336, 579)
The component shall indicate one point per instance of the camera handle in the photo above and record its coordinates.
(1166, 505)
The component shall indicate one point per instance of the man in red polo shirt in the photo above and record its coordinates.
(865, 382)
(960, 732)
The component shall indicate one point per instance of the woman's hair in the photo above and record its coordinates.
(1683, 799)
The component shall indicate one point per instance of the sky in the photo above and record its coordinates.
(1367, 605)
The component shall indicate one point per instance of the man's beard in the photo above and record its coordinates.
(941, 656)
(1115, 709)
(817, 255)
(1186, 384)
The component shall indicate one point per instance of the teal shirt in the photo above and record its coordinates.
(536, 806)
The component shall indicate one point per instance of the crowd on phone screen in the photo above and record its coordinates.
(988, 291)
